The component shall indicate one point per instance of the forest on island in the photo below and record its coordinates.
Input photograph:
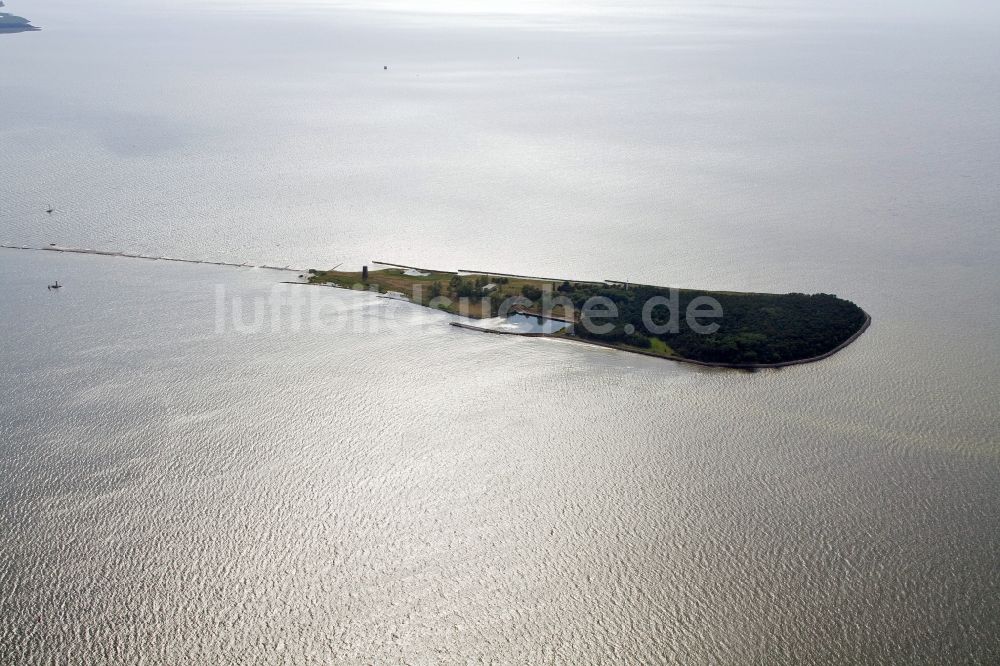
(752, 328)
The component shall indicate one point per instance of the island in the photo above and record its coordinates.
(711, 328)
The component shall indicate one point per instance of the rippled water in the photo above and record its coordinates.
(378, 486)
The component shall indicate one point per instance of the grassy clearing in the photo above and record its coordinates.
(660, 347)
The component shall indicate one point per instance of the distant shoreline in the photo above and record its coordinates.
(10, 24)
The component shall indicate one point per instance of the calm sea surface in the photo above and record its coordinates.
(198, 465)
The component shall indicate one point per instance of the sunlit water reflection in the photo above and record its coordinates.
(374, 485)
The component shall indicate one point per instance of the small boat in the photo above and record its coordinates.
(50, 210)
(56, 285)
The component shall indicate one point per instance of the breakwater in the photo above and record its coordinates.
(129, 255)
